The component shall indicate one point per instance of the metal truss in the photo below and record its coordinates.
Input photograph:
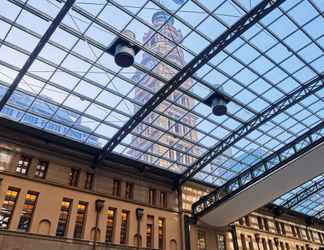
(283, 104)
(260, 170)
(256, 14)
(303, 194)
(319, 215)
(42, 42)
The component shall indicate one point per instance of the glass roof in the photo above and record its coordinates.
(75, 89)
(312, 205)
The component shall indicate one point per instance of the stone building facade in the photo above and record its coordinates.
(50, 198)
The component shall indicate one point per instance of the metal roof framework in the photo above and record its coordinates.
(261, 169)
(257, 59)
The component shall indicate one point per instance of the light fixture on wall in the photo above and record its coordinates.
(124, 51)
(217, 101)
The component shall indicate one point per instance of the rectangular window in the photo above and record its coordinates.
(297, 247)
(293, 231)
(28, 211)
(163, 199)
(110, 224)
(74, 177)
(320, 237)
(243, 242)
(161, 233)
(277, 224)
(202, 242)
(116, 188)
(129, 194)
(270, 245)
(260, 222)
(251, 246)
(152, 196)
(283, 229)
(287, 246)
(298, 232)
(307, 234)
(221, 242)
(8, 207)
(64, 217)
(23, 165)
(124, 227)
(149, 231)
(264, 244)
(282, 247)
(80, 220)
(247, 220)
(89, 181)
(266, 224)
(41, 169)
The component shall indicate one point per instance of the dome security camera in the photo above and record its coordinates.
(123, 50)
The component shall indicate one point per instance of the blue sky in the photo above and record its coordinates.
(103, 95)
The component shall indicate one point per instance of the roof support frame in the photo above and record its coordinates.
(42, 42)
(256, 14)
(284, 103)
(260, 170)
(303, 194)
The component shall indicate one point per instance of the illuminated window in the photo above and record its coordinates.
(221, 242)
(161, 233)
(8, 207)
(110, 224)
(152, 196)
(89, 181)
(124, 227)
(64, 217)
(163, 199)
(129, 191)
(80, 220)
(74, 177)
(116, 188)
(202, 242)
(41, 169)
(149, 231)
(27, 211)
(23, 165)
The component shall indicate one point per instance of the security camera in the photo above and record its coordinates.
(217, 101)
(123, 51)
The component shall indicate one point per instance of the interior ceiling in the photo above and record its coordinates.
(74, 89)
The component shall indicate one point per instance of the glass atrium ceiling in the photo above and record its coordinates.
(312, 205)
(75, 89)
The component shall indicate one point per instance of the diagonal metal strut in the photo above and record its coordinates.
(303, 194)
(284, 103)
(42, 42)
(262, 169)
(242, 25)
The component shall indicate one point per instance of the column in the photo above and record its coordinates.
(116, 239)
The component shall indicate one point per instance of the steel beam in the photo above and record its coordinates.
(256, 14)
(281, 105)
(319, 215)
(303, 194)
(260, 170)
(42, 42)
